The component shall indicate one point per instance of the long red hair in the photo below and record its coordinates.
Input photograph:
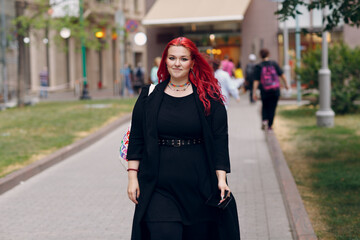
(207, 85)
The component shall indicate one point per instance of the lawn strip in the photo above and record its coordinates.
(27, 134)
(325, 164)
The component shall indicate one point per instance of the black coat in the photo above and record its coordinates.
(143, 146)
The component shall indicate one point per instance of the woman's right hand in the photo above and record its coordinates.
(133, 188)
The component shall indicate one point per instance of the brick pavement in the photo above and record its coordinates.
(84, 197)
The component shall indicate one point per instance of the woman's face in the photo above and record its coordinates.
(179, 62)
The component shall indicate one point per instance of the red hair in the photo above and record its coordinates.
(207, 85)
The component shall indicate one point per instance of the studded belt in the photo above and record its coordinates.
(180, 142)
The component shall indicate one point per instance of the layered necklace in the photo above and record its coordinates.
(177, 88)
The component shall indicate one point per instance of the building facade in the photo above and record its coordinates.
(119, 20)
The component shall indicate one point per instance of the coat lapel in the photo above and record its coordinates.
(152, 106)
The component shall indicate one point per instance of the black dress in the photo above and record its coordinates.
(182, 169)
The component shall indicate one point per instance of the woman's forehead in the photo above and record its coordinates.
(178, 50)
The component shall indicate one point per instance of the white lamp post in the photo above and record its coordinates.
(140, 39)
(325, 115)
(65, 33)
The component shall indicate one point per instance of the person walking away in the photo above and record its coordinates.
(239, 76)
(178, 153)
(228, 66)
(226, 83)
(154, 70)
(139, 78)
(44, 82)
(266, 77)
(126, 73)
(249, 76)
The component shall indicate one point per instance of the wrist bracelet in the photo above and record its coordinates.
(133, 169)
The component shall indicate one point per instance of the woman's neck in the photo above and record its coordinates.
(179, 81)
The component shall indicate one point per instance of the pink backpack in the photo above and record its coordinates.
(269, 78)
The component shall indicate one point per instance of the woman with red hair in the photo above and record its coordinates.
(178, 153)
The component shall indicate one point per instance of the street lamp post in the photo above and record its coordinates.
(325, 115)
(3, 52)
(85, 93)
(65, 33)
(100, 35)
(298, 58)
(287, 69)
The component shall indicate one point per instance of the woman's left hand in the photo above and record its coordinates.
(222, 185)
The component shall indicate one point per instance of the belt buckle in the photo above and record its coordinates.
(177, 143)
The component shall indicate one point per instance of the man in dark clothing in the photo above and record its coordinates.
(266, 78)
(249, 76)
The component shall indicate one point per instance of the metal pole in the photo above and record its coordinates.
(47, 50)
(67, 62)
(85, 93)
(3, 52)
(298, 57)
(286, 60)
(100, 68)
(325, 115)
(19, 11)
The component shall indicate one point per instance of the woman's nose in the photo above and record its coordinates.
(177, 62)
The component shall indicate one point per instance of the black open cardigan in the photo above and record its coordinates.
(143, 146)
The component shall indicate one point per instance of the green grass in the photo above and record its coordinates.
(28, 133)
(333, 156)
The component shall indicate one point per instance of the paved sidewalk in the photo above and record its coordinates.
(84, 197)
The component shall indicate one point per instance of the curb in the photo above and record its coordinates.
(298, 218)
(15, 178)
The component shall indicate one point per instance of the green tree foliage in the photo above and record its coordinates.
(344, 65)
(37, 17)
(346, 10)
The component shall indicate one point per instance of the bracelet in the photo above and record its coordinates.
(133, 169)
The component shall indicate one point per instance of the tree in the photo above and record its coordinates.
(38, 16)
(345, 75)
(346, 10)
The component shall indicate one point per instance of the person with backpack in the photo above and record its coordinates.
(266, 77)
(249, 76)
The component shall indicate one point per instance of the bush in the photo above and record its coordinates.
(344, 65)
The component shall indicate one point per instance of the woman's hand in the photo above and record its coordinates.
(133, 188)
(222, 185)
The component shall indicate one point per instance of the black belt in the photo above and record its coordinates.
(179, 142)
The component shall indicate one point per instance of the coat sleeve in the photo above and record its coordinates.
(219, 127)
(136, 138)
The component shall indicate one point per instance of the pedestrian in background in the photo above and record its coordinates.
(238, 76)
(266, 77)
(249, 76)
(153, 74)
(126, 73)
(139, 78)
(226, 83)
(228, 66)
(44, 82)
(178, 153)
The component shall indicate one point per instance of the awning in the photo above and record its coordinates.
(178, 12)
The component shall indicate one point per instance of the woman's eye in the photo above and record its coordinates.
(171, 58)
(184, 59)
